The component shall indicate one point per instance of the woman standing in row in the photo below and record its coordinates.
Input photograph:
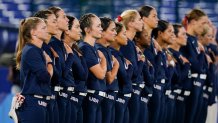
(164, 35)
(96, 62)
(65, 54)
(195, 54)
(142, 40)
(133, 23)
(183, 78)
(79, 70)
(208, 95)
(124, 75)
(108, 36)
(153, 53)
(36, 71)
(51, 22)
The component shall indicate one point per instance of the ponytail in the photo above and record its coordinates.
(76, 48)
(20, 44)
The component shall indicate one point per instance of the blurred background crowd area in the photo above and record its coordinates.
(12, 11)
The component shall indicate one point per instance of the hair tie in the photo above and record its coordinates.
(185, 22)
(23, 21)
(119, 18)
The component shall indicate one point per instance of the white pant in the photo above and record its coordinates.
(212, 113)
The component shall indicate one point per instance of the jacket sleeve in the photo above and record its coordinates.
(80, 68)
(68, 64)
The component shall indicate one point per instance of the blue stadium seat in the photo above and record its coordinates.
(4, 19)
(11, 11)
(24, 7)
(19, 15)
(186, 4)
(11, 6)
(1, 14)
(23, 1)
(4, 1)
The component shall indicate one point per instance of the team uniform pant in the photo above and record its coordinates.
(163, 107)
(92, 108)
(202, 114)
(134, 105)
(33, 110)
(121, 108)
(76, 101)
(180, 108)
(108, 107)
(143, 114)
(193, 102)
(154, 105)
(64, 106)
(53, 108)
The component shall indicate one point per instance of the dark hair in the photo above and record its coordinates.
(119, 27)
(194, 14)
(176, 28)
(86, 21)
(71, 21)
(70, 24)
(105, 23)
(137, 35)
(162, 26)
(55, 10)
(44, 14)
(144, 11)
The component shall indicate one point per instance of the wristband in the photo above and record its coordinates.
(50, 63)
(143, 56)
(172, 63)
